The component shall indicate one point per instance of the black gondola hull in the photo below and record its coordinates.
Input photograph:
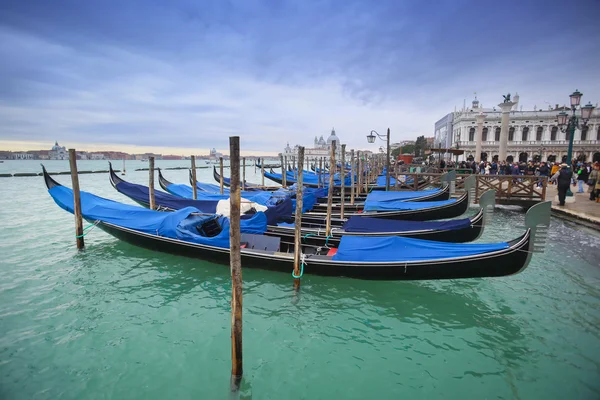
(501, 263)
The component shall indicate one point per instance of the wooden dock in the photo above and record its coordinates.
(520, 190)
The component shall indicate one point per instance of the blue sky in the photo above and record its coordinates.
(183, 75)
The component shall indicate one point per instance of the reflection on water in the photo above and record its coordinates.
(116, 321)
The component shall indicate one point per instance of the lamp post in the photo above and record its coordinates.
(569, 124)
(371, 139)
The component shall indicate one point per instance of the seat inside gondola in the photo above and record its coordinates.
(209, 228)
(260, 242)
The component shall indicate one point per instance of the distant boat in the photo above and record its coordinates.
(144, 160)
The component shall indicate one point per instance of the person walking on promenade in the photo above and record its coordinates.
(593, 181)
(563, 180)
(582, 176)
(555, 169)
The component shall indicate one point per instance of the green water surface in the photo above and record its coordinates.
(120, 322)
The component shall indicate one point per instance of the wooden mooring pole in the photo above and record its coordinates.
(262, 172)
(244, 173)
(194, 188)
(283, 168)
(221, 174)
(330, 192)
(343, 183)
(151, 183)
(76, 199)
(352, 176)
(235, 261)
(298, 221)
(321, 183)
(123, 172)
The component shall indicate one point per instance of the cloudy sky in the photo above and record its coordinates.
(181, 76)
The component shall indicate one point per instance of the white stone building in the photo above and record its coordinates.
(58, 152)
(321, 148)
(530, 134)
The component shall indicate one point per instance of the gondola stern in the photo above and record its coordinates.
(537, 220)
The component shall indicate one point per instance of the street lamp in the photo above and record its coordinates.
(371, 139)
(569, 124)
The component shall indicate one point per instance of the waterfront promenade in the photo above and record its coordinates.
(582, 209)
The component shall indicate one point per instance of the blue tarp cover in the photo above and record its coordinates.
(142, 193)
(380, 195)
(403, 205)
(176, 225)
(365, 224)
(186, 192)
(395, 248)
(278, 211)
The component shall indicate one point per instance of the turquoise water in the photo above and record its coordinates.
(118, 322)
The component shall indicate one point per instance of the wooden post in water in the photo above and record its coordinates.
(151, 183)
(294, 167)
(282, 171)
(221, 175)
(330, 193)
(123, 172)
(235, 261)
(298, 219)
(321, 183)
(244, 173)
(262, 172)
(352, 176)
(396, 170)
(76, 199)
(358, 173)
(194, 187)
(343, 179)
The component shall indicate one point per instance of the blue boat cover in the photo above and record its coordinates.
(395, 248)
(280, 210)
(369, 225)
(186, 192)
(140, 193)
(180, 224)
(380, 195)
(403, 205)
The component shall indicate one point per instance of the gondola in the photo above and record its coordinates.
(227, 181)
(452, 231)
(281, 224)
(278, 210)
(378, 258)
(407, 211)
(402, 196)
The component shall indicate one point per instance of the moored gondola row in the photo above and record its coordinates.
(400, 235)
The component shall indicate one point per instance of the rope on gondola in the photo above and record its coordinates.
(86, 228)
(303, 261)
(307, 235)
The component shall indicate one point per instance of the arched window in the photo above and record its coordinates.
(598, 134)
(511, 134)
(524, 134)
(584, 132)
(538, 134)
(497, 134)
(471, 134)
(568, 134)
(553, 133)
(484, 134)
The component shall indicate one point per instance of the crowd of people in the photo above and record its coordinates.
(558, 173)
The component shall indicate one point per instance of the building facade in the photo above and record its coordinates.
(443, 132)
(532, 135)
(321, 148)
(58, 152)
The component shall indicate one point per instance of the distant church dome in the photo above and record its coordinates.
(333, 137)
(322, 141)
(56, 147)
